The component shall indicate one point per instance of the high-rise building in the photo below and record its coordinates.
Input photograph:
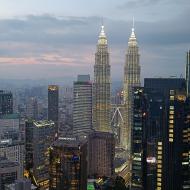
(187, 76)
(167, 134)
(39, 136)
(164, 85)
(6, 102)
(178, 131)
(101, 152)
(131, 79)
(68, 164)
(9, 172)
(10, 126)
(82, 106)
(139, 138)
(53, 105)
(13, 151)
(101, 86)
(24, 184)
(32, 108)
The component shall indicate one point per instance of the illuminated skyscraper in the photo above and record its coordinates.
(101, 94)
(53, 104)
(39, 136)
(131, 79)
(188, 73)
(68, 164)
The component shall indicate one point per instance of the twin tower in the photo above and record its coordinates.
(102, 86)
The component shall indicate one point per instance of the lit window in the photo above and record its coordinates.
(170, 139)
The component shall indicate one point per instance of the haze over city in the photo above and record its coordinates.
(42, 39)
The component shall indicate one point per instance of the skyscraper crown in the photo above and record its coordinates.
(102, 37)
(132, 38)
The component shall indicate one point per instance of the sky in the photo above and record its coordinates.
(42, 39)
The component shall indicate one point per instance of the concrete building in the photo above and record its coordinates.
(24, 184)
(13, 151)
(101, 152)
(9, 126)
(68, 164)
(82, 106)
(9, 172)
(6, 102)
(53, 105)
(32, 108)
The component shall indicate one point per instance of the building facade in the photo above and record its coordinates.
(131, 79)
(6, 102)
(101, 86)
(9, 172)
(13, 151)
(10, 126)
(82, 106)
(139, 140)
(187, 72)
(53, 105)
(68, 164)
(39, 136)
(101, 152)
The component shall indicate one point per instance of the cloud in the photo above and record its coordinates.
(137, 3)
(69, 44)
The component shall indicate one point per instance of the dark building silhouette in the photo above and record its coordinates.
(139, 140)
(101, 152)
(167, 130)
(187, 72)
(6, 102)
(53, 105)
(68, 164)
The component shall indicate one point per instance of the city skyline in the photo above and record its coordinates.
(54, 41)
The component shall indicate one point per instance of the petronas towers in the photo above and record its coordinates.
(102, 87)
(102, 91)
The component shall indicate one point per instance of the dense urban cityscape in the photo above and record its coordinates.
(96, 134)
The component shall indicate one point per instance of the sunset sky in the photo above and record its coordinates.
(57, 38)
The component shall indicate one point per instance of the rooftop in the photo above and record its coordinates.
(44, 123)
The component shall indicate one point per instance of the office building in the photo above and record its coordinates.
(13, 151)
(101, 86)
(187, 72)
(53, 105)
(6, 102)
(101, 152)
(177, 164)
(82, 106)
(164, 85)
(24, 184)
(139, 138)
(32, 108)
(68, 164)
(39, 136)
(9, 172)
(10, 126)
(131, 79)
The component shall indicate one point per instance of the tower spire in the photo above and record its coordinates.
(133, 28)
(132, 39)
(102, 36)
